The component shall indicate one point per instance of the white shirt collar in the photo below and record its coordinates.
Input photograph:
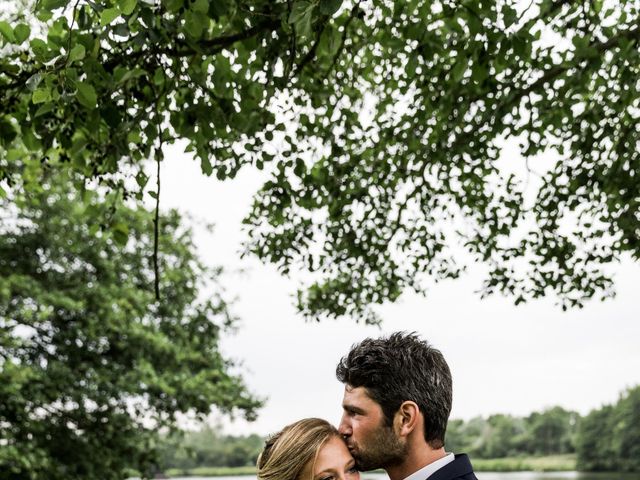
(430, 469)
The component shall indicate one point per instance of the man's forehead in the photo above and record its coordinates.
(357, 400)
(356, 393)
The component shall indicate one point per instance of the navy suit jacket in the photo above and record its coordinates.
(459, 469)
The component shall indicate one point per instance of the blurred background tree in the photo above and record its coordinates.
(92, 367)
(211, 448)
(552, 431)
(609, 437)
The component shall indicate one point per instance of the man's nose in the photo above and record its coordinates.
(345, 427)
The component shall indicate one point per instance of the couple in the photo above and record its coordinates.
(397, 399)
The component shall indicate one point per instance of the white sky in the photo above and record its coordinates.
(504, 359)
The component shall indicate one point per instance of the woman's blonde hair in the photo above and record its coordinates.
(286, 453)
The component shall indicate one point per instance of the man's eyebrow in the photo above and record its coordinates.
(352, 409)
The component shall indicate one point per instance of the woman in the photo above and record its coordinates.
(309, 449)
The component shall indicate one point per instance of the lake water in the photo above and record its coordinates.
(481, 476)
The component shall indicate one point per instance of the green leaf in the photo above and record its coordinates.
(195, 23)
(583, 47)
(459, 69)
(10, 68)
(219, 8)
(22, 32)
(134, 136)
(478, 72)
(509, 16)
(46, 108)
(142, 179)
(301, 16)
(78, 147)
(329, 7)
(51, 5)
(109, 15)
(7, 131)
(76, 53)
(597, 6)
(39, 47)
(200, 6)
(30, 140)
(474, 24)
(86, 95)
(175, 5)
(329, 41)
(205, 165)
(120, 233)
(7, 32)
(111, 114)
(41, 95)
(127, 6)
(159, 76)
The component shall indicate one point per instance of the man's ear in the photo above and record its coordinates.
(407, 418)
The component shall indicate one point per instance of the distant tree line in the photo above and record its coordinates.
(209, 447)
(550, 432)
(607, 439)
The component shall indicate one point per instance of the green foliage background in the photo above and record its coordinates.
(610, 436)
(92, 367)
(208, 447)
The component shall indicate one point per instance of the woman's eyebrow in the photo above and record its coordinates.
(328, 470)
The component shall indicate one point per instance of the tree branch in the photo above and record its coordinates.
(204, 47)
(156, 220)
(633, 34)
(222, 41)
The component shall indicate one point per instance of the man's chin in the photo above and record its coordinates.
(363, 466)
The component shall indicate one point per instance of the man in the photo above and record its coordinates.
(397, 400)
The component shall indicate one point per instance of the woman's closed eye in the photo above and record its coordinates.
(351, 470)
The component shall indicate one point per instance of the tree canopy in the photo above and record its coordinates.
(91, 365)
(382, 124)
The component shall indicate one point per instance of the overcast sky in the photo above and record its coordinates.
(504, 359)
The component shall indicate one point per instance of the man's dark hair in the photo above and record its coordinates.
(399, 368)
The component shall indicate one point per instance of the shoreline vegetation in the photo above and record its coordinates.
(551, 463)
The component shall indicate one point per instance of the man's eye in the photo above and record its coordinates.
(353, 470)
(329, 477)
